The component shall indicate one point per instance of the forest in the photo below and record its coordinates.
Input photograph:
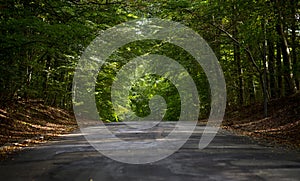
(257, 44)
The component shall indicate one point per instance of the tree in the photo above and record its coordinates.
(256, 42)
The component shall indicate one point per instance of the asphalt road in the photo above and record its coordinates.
(228, 157)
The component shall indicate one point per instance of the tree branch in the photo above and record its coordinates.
(239, 44)
(234, 40)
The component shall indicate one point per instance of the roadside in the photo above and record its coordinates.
(280, 128)
(24, 123)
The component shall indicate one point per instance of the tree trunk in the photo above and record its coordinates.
(46, 77)
(252, 90)
(271, 67)
(279, 70)
(290, 86)
(265, 91)
(237, 59)
(296, 74)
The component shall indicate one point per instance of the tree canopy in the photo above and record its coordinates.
(256, 43)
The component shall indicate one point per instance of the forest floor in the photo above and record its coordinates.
(280, 128)
(24, 123)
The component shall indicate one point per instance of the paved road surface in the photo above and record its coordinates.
(228, 157)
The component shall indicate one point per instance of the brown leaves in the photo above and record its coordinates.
(31, 122)
(281, 127)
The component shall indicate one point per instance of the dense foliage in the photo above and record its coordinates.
(256, 42)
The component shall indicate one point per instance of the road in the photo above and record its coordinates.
(228, 157)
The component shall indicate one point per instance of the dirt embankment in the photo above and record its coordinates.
(26, 122)
(281, 127)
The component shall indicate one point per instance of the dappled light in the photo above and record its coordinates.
(150, 90)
